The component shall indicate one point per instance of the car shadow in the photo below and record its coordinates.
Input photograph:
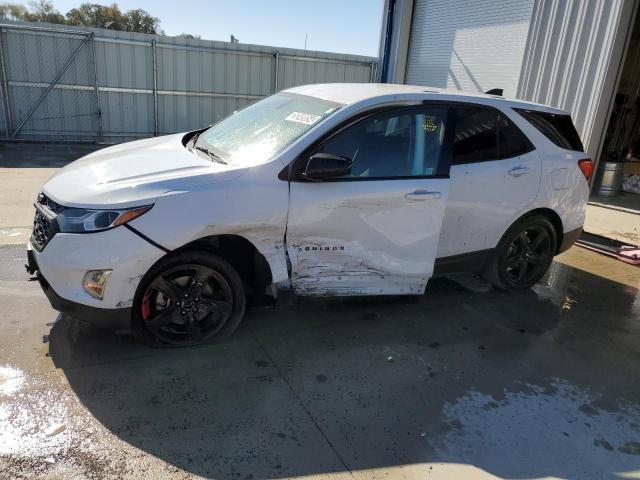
(541, 383)
(55, 155)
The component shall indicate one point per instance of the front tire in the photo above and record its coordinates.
(188, 298)
(523, 255)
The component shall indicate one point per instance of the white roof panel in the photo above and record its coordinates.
(347, 93)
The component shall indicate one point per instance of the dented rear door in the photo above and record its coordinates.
(376, 230)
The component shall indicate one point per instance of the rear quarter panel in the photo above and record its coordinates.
(563, 187)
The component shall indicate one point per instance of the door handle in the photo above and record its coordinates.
(518, 171)
(423, 195)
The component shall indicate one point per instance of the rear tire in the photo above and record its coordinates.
(188, 298)
(523, 255)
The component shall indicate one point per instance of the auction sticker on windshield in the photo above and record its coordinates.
(306, 118)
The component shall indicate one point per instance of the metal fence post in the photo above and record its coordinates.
(97, 88)
(275, 75)
(6, 107)
(155, 87)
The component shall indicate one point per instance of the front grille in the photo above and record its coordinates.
(44, 228)
(50, 204)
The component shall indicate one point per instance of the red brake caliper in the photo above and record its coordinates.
(146, 307)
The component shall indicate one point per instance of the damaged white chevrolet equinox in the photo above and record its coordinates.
(337, 189)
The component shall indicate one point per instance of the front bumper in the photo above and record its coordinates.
(116, 319)
(112, 319)
(60, 268)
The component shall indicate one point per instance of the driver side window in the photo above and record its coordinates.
(401, 143)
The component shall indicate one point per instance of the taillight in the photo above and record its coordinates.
(586, 166)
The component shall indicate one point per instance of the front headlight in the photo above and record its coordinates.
(81, 220)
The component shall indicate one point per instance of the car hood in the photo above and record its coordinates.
(134, 173)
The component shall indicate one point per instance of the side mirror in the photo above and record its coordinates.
(322, 166)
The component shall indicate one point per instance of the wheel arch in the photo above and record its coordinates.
(551, 215)
(241, 253)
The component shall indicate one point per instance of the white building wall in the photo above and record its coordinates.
(573, 58)
(470, 45)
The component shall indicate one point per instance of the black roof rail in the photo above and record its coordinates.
(495, 91)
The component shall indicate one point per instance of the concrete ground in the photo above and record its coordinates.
(619, 224)
(616, 217)
(624, 201)
(463, 382)
(24, 168)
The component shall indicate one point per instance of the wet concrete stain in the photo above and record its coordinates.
(631, 448)
(601, 442)
(309, 389)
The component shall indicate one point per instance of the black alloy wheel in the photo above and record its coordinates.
(523, 255)
(528, 255)
(188, 303)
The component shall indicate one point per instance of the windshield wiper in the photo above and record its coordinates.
(213, 156)
(194, 139)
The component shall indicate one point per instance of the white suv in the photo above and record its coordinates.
(337, 189)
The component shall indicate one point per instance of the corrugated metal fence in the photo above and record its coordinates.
(90, 84)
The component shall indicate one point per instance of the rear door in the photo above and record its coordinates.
(495, 175)
(376, 230)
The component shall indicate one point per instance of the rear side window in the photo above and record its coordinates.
(556, 127)
(484, 134)
(476, 138)
(511, 141)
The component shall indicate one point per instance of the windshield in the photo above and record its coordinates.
(260, 131)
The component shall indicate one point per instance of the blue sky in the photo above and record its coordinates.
(345, 26)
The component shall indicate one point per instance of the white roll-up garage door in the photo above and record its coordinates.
(471, 45)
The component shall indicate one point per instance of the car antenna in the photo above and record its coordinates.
(495, 91)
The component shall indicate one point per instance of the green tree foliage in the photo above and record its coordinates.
(43, 11)
(139, 20)
(99, 16)
(86, 15)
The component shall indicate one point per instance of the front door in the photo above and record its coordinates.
(376, 230)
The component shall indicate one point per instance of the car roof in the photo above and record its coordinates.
(348, 93)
